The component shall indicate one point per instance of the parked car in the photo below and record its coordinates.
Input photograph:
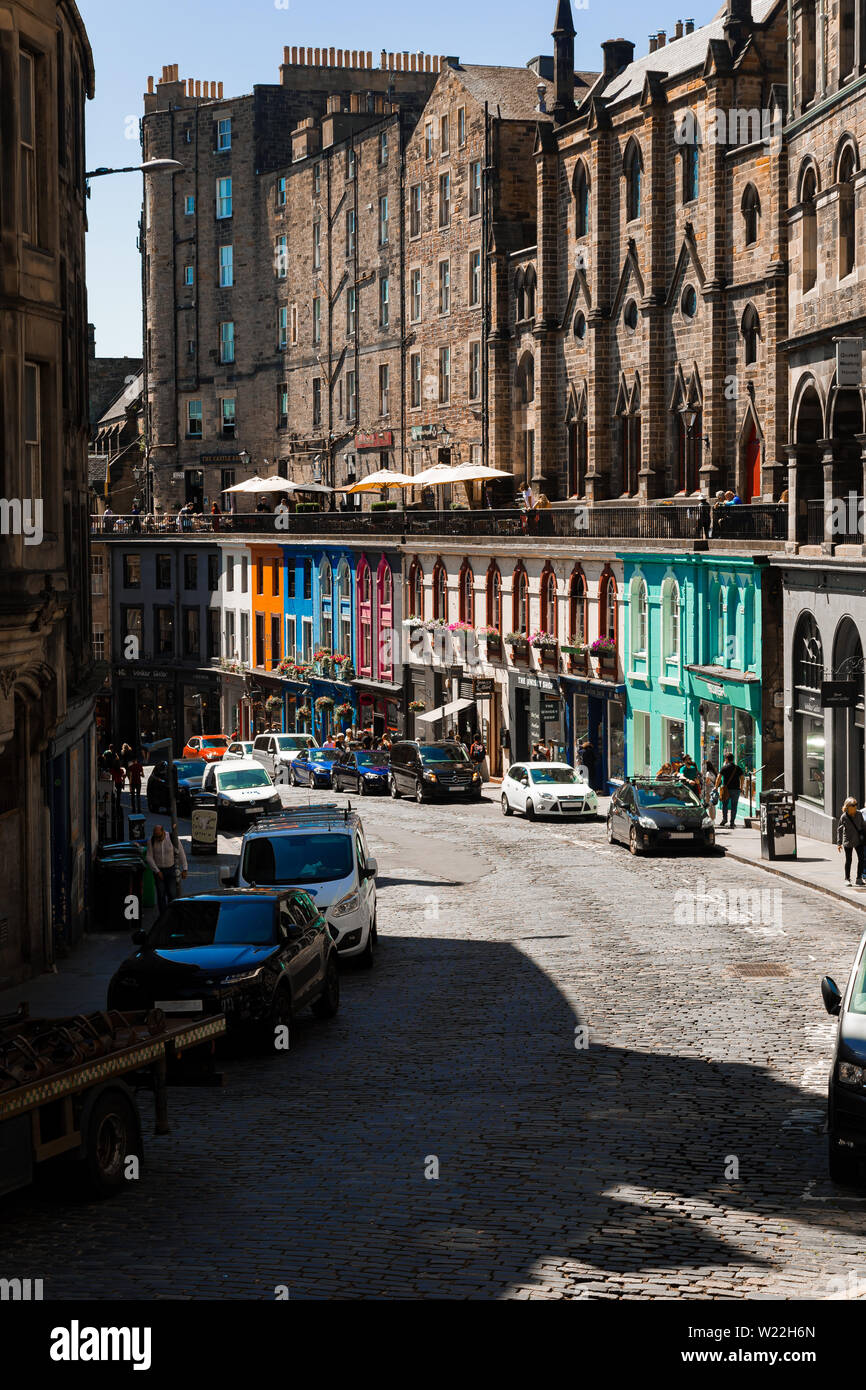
(433, 770)
(277, 751)
(188, 773)
(323, 850)
(258, 956)
(648, 813)
(240, 748)
(243, 790)
(210, 747)
(846, 1100)
(361, 771)
(312, 767)
(547, 789)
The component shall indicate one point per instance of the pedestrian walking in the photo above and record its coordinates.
(134, 774)
(851, 836)
(118, 777)
(705, 516)
(729, 783)
(587, 757)
(718, 515)
(168, 865)
(708, 788)
(690, 775)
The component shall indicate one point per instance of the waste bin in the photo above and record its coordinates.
(778, 825)
(204, 823)
(118, 877)
(135, 824)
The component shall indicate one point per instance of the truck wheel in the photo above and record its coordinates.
(328, 1001)
(113, 1133)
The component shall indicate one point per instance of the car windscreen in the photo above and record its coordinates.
(553, 776)
(241, 779)
(308, 858)
(375, 759)
(323, 755)
(290, 741)
(666, 795)
(191, 768)
(244, 921)
(214, 743)
(433, 753)
(858, 993)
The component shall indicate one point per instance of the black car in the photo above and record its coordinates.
(188, 773)
(257, 955)
(433, 770)
(846, 1109)
(361, 771)
(649, 813)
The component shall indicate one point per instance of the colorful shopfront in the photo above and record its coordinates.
(702, 667)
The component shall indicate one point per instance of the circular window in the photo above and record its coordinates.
(689, 302)
(630, 315)
(580, 326)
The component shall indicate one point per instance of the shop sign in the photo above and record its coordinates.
(420, 432)
(138, 674)
(849, 359)
(527, 681)
(219, 459)
(178, 477)
(838, 694)
(483, 687)
(550, 711)
(718, 691)
(465, 690)
(378, 439)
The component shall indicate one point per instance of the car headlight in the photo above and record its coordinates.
(476, 776)
(547, 796)
(431, 777)
(707, 823)
(646, 823)
(850, 1075)
(350, 903)
(243, 975)
(370, 776)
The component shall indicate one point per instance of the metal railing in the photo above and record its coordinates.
(845, 525)
(759, 521)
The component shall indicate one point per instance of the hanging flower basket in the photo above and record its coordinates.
(345, 710)
(604, 648)
(417, 706)
(324, 702)
(273, 704)
(303, 711)
(413, 623)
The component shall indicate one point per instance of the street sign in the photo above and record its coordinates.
(838, 694)
(849, 361)
(483, 687)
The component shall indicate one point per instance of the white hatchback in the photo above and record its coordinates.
(547, 789)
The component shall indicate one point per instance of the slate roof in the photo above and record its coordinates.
(127, 397)
(678, 56)
(514, 90)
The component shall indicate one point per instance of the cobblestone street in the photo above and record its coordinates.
(680, 1154)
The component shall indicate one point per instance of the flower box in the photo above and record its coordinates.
(519, 645)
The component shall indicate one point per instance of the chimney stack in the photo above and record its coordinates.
(661, 38)
(678, 29)
(690, 26)
(738, 22)
(618, 53)
(653, 43)
(563, 63)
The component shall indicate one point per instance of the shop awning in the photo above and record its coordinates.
(434, 715)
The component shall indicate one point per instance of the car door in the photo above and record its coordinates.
(194, 747)
(413, 771)
(305, 961)
(510, 785)
(260, 751)
(624, 807)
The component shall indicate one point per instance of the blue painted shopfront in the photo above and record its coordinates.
(692, 644)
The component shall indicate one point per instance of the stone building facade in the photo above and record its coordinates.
(661, 267)
(47, 679)
(217, 304)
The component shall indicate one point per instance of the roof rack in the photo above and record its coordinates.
(328, 811)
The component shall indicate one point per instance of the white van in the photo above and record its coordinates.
(276, 751)
(243, 790)
(321, 849)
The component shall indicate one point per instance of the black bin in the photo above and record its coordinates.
(118, 877)
(135, 823)
(778, 825)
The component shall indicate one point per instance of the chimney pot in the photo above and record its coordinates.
(690, 26)
(662, 38)
(219, 91)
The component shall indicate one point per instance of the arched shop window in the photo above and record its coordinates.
(520, 600)
(440, 591)
(607, 615)
(415, 595)
(365, 619)
(671, 621)
(577, 606)
(548, 601)
(494, 597)
(808, 673)
(343, 611)
(326, 620)
(467, 593)
(384, 619)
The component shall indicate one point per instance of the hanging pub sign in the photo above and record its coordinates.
(484, 687)
(838, 694)
(849, 361)
(379, 439)
(420, 432)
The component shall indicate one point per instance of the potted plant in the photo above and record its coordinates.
(324, 702)
(412, 623)
(543, 640)
(519, 644)
(345, 710)
(492, 638)
(417, 706)
(604, 651)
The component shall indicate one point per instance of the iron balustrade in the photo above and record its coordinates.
(757, 521)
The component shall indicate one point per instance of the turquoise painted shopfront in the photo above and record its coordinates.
(692, 644)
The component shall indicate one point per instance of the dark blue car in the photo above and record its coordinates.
(362, 772)
(312, 767)
(188, 773)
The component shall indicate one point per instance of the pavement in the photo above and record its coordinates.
(570, 1074)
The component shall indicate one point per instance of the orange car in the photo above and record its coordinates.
(210, 747)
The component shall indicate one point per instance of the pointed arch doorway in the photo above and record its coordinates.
(752, 465)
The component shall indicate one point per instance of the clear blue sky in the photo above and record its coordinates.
(240, 43)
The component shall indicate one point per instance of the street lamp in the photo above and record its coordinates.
(150, 166)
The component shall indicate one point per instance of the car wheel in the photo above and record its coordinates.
(633, 842)
(113, 1133)
(293, 781)
(392, 788)
(843, 1166)
(328, 1001)
(279, 1016)
(362, 790)
(368, 954)
(507, 808)
(530, 810)
(610, 834)
(419, 794)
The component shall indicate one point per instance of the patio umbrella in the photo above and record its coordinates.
(435, 476)
(383, 477)
(250, 485)
(477, 473)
